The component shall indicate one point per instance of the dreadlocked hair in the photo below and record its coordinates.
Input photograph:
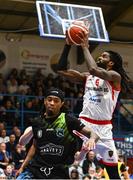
(118, 67)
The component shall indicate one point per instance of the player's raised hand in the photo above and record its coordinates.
(84, 38)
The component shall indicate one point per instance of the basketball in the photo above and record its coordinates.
(74, 33)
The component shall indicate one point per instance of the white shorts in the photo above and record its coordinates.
(105, 147)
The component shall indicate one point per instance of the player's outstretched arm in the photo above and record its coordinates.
(89, 140)
(88, 136)
(92, 137)
(73, 75)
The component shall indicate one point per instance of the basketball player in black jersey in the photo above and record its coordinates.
(54, 144)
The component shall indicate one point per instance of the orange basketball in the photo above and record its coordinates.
(74, 33)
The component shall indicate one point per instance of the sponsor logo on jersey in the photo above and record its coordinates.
(98, 89)
(46, 170)
(95, 89)
(60, 132)
(51, 129)
(39, 133)
(110, 158)
(110, 153)
(52, 149)
(96, 98)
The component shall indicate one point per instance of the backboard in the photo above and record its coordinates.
(54, 18)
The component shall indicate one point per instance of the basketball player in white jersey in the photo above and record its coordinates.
(104, 81)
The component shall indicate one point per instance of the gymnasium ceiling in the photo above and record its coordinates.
(21, 16)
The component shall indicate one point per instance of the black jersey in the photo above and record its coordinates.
(55, 145)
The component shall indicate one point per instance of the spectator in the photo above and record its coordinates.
(90, 161)
(49, 84)
(9, 172)
(3, 137)
(76, 165)
(87, 177)
(2, 174)
(2, 85)
(131, 176)
(2, 126)
(10, 146)
(74, 174)
(39, 91)
(57, 81)
(17, 134)
(22, 75)
(50, 77)
(37, 104)
(38, 75)
(13, 73)
(68, 104)
(30, 92)
(12, 86)
(28, 114)
(39, 83)
(18, 112)
(9, 113)
(92, 172)
(18, 156)
(30, 83)
(4, 156)
(14, 129)
(122, 168)
(23, 87)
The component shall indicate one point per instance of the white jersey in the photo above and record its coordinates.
(98, 106)
(99, 99)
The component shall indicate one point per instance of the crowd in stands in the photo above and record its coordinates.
(23, 84)
(11, 153)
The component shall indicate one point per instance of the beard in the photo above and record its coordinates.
(101, 64)
(50, 113)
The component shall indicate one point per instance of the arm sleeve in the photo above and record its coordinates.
(62, 64)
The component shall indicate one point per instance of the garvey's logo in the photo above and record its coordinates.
(52, 149)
